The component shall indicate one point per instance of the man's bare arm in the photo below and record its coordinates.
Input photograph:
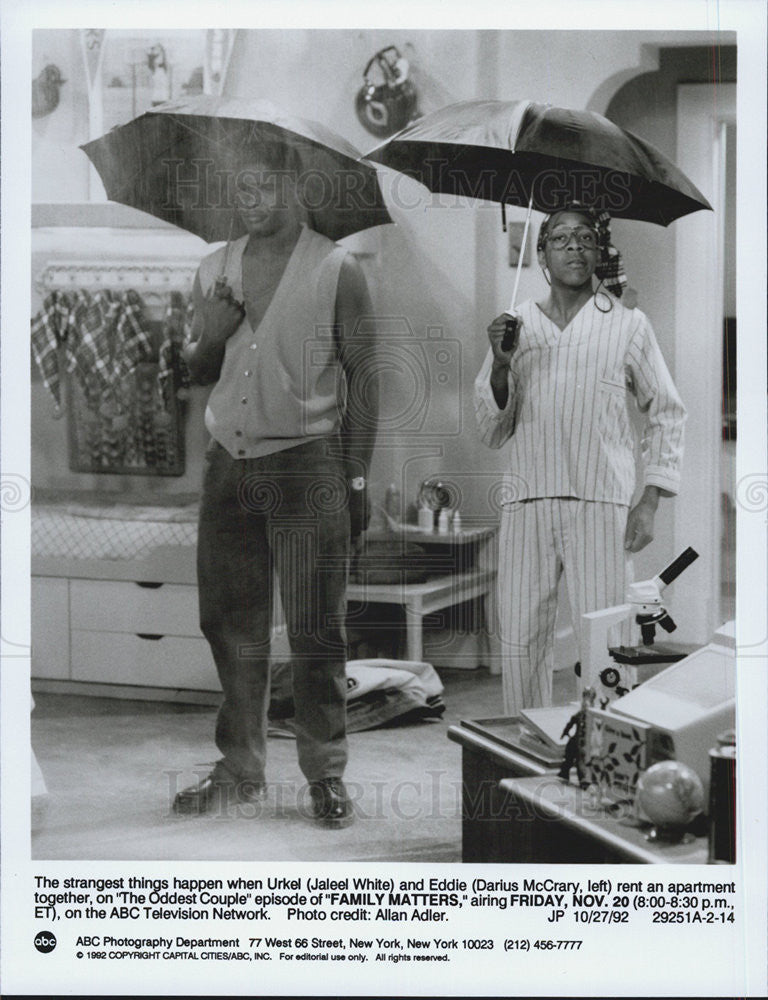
(357, 354)
(217, 316)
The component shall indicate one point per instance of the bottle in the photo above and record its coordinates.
(426, 519)
(456, 523)
(393, 503)
(443, 522)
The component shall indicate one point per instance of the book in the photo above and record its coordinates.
(531, 743)
(548, 723)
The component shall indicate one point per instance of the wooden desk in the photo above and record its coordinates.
(485, 761)
(552, 822)
(420, 599)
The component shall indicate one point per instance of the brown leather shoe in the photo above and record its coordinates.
(330, 803)
(219, 788)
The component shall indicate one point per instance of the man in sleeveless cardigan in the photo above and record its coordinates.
(292, 418)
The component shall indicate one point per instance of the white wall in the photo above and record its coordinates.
(59, 168)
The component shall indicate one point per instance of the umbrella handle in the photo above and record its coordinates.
(227, 252)
(511, 309)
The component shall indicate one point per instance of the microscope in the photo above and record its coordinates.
(613, 672)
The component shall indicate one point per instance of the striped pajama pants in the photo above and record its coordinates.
(539, 541)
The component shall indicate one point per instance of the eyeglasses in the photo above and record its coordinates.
(586, 238)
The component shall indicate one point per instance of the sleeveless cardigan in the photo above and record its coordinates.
(281, 384)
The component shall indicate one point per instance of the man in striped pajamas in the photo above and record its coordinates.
(557, 391)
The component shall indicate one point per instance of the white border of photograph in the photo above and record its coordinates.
(621, 964)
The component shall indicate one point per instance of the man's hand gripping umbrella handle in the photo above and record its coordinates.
(513, 322)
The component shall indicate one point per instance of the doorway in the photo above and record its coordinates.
(705, 262)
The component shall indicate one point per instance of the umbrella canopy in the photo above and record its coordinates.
(178, 163)
(518, 152)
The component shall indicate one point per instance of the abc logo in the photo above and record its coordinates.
(45, 942)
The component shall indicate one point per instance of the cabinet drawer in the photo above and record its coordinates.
(120, 606)
(119, 658)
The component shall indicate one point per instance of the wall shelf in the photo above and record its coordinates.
(148, 278)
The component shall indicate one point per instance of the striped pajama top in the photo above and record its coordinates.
(567, 417)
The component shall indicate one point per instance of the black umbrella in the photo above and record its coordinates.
(523, 153)
(178, 163)
(519, 152)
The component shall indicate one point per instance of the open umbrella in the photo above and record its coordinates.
(178, 163)
(515, 151)
(523, 153)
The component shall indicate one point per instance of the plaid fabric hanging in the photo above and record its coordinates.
(104, 337)
(133, 341)
(107, 337)
(49, 331)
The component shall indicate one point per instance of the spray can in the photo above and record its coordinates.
(426, 519)
(393, 503)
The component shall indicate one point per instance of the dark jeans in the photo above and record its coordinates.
(285, 513)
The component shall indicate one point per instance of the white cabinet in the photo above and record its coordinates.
(120, 632)
(124, 632)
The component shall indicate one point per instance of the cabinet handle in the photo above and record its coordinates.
(149, 585)
(149, 635)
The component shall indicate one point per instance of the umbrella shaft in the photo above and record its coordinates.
(522, 255)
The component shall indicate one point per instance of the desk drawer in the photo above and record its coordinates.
(164, 661)
(121, 606)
